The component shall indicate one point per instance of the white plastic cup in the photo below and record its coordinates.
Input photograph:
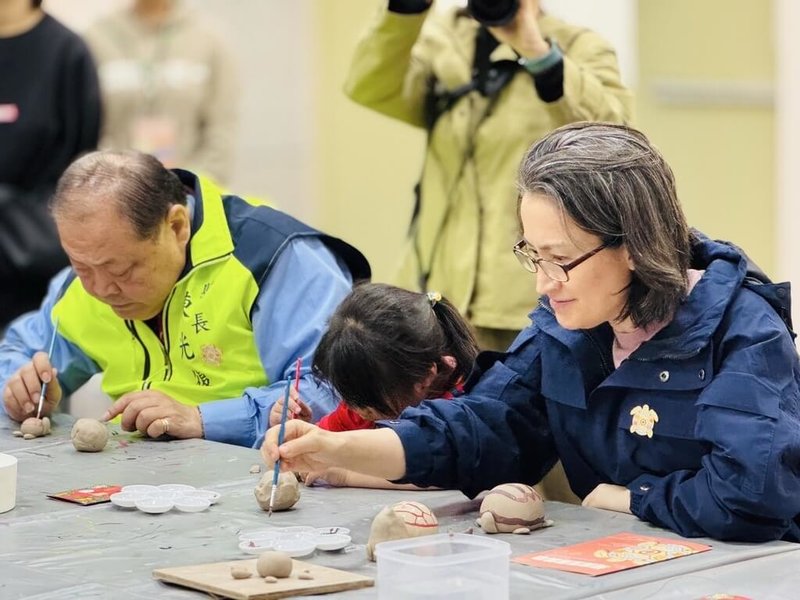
(8, 482)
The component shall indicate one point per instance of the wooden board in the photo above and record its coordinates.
(215, 578)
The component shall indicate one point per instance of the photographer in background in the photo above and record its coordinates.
(486, 82)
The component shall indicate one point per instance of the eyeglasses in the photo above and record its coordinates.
(554, 270)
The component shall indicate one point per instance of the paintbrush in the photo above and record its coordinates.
(281, 433)
(43, 393)
(297, 379)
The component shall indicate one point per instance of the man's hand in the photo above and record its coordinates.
(155, 414)
(297, 407)
(21, 394)
(609, 497)
(523, 33)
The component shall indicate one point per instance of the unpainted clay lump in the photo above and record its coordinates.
(33, 427)
(276, 564)
(89, 435)
(287, 495)
(512, 507)
(239, 572)
(400, 521)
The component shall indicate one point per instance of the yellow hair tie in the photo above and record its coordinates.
(434, 297)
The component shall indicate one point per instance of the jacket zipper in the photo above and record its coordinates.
(165, 330)
(146, 371)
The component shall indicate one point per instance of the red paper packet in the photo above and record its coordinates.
(611, 554)
(87, 496)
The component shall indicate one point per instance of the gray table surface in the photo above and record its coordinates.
(54, 549)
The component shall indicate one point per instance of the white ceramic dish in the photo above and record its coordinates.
(245, 536)
(154, 504)
(264, 538)
(140, 489)
(176, 487)
(125, 499)
(255, 546)
(188, 504)
(332, 530)
(332, 541)
(297, 529)
(295, 547)
(209, 495)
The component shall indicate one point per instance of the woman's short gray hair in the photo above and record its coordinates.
(613, 183)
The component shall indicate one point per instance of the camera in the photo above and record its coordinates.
(493, 13)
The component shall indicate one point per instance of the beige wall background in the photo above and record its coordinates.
(705, 95)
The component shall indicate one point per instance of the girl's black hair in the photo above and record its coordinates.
(383, 340)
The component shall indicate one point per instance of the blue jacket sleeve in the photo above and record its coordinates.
(31, 333)
(748, 486)
(303, 289)
(497, 432)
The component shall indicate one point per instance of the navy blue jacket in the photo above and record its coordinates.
(723, 378)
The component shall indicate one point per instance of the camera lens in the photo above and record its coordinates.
(493, 13)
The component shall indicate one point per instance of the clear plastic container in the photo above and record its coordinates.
(449, 566)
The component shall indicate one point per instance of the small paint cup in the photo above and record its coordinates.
(8, 482)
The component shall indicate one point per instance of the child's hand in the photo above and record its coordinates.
(297, 409)
(333, 476)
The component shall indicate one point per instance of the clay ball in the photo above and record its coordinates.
(89, 435)
(287, 495)
(512, 507)
(276, 564)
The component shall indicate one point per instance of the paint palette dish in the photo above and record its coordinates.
(176, 487)
(331, 542)
(188, 504)
(209, 495)
(163, 498)
(154, 504)
(300, 545)
(124, 499)
(140, 489)
(332, 530)
(294, 541)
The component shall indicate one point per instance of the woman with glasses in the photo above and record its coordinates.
(659, 366)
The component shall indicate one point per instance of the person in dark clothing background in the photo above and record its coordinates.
(49, 114)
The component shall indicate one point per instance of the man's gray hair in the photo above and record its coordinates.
(613, 183)
(138, 185)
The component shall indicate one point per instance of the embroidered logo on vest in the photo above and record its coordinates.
(212, 355)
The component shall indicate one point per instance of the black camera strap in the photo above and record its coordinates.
(488, 79)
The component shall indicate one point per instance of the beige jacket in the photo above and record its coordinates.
(171, 90)
(467, 222)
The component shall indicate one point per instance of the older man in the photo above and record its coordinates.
(193, 304)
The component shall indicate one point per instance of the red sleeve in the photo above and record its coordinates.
(344, 419)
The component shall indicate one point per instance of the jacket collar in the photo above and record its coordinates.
(211, 238)
(695, 321)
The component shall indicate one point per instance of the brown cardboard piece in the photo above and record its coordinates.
(215, 578)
